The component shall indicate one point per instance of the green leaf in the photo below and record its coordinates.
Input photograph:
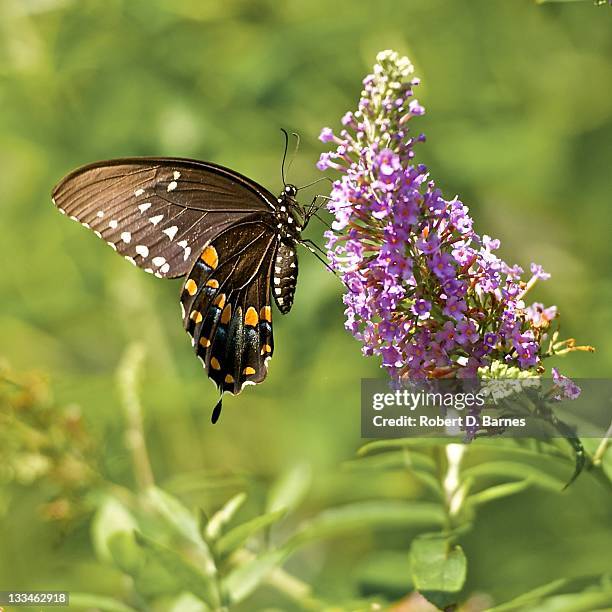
(236, 537)
(98, 602)
(593, 592)
(398, 443)
(359, 515)
(190, 577)
(403, 458)
(515, 470)
(438, 569)
(179, 518)
(112, 517)
(126, 553)
(497, 492)
(224, 516)
(243, 580)
(289, 490)
(186, 602)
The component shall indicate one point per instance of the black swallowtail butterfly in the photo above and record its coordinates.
(231, 238)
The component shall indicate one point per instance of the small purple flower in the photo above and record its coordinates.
(538, 272)
(491, 339)
(565, 387)
(442, 265)
(421, 308)
(466, 332)
(428, 245)
(454, 307)
(388, 163)
(540, 316)
(326, 135)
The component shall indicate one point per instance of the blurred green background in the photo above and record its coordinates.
(518, 123)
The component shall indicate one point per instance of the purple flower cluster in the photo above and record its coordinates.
(424, 291)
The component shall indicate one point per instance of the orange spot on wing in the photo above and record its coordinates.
(205, 342)
(265, 314)
(229, 379)
(191, 287)
(248, 371)
(220, 300)
(210, 257)
(266, 348)
(212, 282)
(251, 318)
(196, 316)
(214, 364)
(226, 315)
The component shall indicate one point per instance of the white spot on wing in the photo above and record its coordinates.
(155, 220)
(158, 261)
(131, 260)
(142, 250)
(139, 192)
(100, 214)
(165, 268)
(98, 234)
(113, 224)
(112, 245)
(171, 232)
(277, 290)
(276, 280)
(144, 207)
(148, 270)
(126, 237)
(172, 186)
(176, 175)
(187, 253)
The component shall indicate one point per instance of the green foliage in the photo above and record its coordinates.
(438, 569)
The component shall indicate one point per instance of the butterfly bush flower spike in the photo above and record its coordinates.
(425, 292)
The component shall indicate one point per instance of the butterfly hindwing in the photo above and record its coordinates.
(226, 303)
(159, 212)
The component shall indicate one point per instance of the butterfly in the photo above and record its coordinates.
(232, 240)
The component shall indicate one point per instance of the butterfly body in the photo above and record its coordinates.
(232, 240)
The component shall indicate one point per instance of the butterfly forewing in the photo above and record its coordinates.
(226, 304)
(159, 212)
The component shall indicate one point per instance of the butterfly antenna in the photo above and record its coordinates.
(297, 146)
(324, 178)
(216, 413)
(284, 155)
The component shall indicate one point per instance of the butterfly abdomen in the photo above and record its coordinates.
(284, 278)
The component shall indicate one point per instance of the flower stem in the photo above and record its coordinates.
(127, 376)
(603, 446)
